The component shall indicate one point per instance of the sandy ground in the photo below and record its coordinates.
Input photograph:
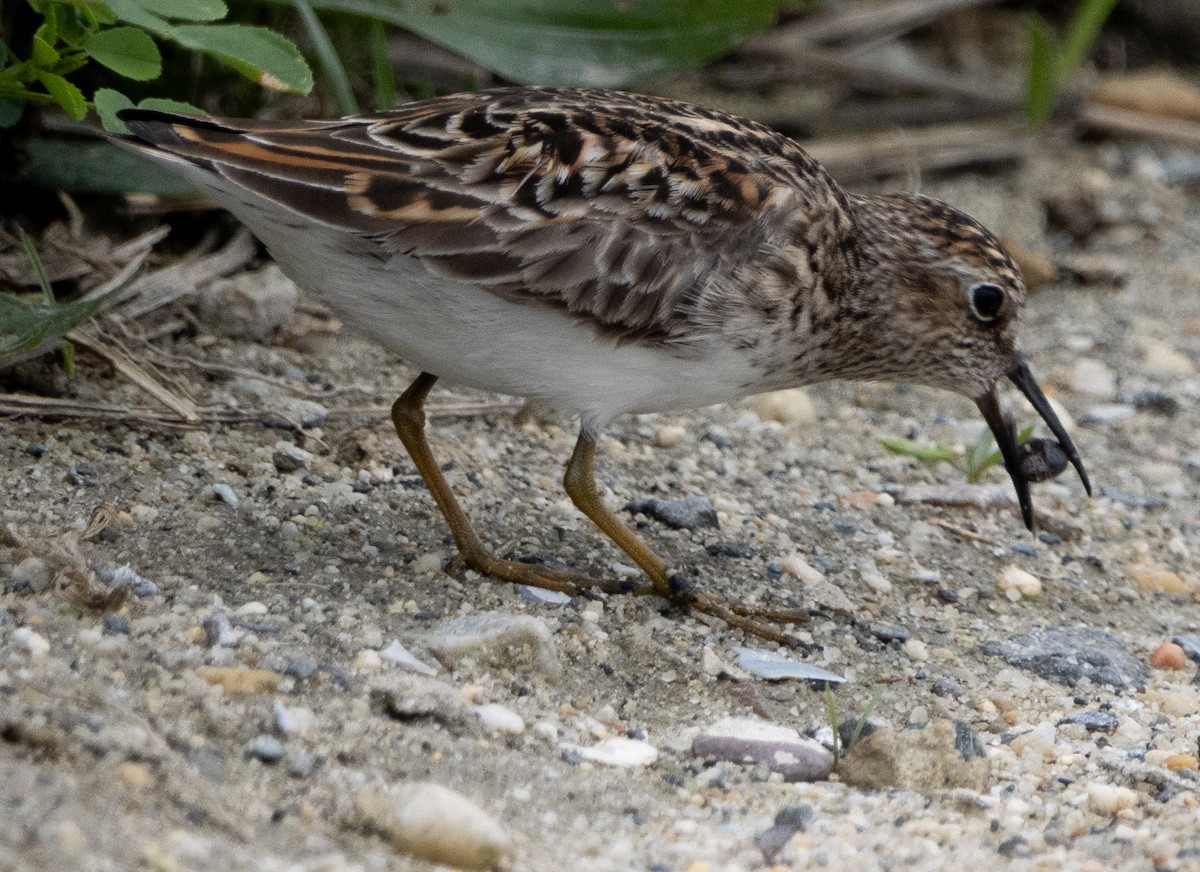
(119, 751)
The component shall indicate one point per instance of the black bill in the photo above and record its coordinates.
(1005, 432)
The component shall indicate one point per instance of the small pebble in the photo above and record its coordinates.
(1153, 578)
(797, 567)
(136, 775)
(670, 436)
(1094, 378)
(398, 655)
(621, 752)
(240, 682)
(368, 660)
(789, 407)
(116, 625)
(499, 719)
(1180, 762)
(266, 748)
(225, 494)
(1093, 721)
(288, 458)
(33, 642)
(251, 609)
(915, 649)
(1111, 798)
(435, 824)
(301, 763)
(1190, 645)
(1016, 584)
(30, 574)
(1168, 655)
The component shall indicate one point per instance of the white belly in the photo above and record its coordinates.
(467, 335)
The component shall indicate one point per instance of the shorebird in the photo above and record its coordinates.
(611, 253)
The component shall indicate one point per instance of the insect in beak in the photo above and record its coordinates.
(1005, 432)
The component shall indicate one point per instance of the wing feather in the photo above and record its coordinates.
(618, 208)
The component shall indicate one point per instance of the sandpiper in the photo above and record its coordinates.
(612, 253)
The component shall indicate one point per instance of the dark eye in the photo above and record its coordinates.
(986, 301)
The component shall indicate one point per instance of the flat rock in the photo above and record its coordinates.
(1069, 654)
(690, 514)
(516, 641)
(752, 740)
(409, 697)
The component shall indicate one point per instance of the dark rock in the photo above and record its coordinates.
(1190, 645)
(1069, 654)
(288, 459)
(300, 667)
(888, 633)
(788, 821)
(1094, 721)
(116, 625)
(730, 549)
(1158, 402)
(689, 514)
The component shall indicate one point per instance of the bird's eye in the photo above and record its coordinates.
(986, 301)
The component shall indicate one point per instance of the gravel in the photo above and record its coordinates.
(126, 735)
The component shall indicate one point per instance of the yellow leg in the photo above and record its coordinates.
(408, 416)
(579, 481)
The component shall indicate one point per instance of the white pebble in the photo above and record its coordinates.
(368, 660)
(873, 578)
(797, 567)
(1111, 798)
(886, 500)
(400, 656)
(1163, 360)
(670, 436)
(435, 824)
(792, 406)
(1094, 378)
(500, 719)
(225, 493)
(1016, 583)
(254, 607)
(592, 612)
(915, 649)
(37, 645)
(620, 751)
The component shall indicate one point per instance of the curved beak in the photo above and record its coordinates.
(1005, 432)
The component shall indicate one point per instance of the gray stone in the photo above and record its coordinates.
(250, 305)
(31, 574)
(689, 514)
(773, 667)
(1069, 654)
(266, 748)
(288, 458)
(1190, 645)
(408, 697)
(1093, 721)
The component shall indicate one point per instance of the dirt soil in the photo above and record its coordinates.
(122, 748)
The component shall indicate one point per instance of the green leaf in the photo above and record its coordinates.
(27, 325)
(1042, 87)
(127, 51)
(107, 103)
(381, 68)
(1082, 31)
(47, 33)
(69, 97)
(168, 105)
(259, 54)
(43, 54)
(134, 13)
(328, 58)
(575, 42)
(984, 455)
(187, 10)
(921, 452)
